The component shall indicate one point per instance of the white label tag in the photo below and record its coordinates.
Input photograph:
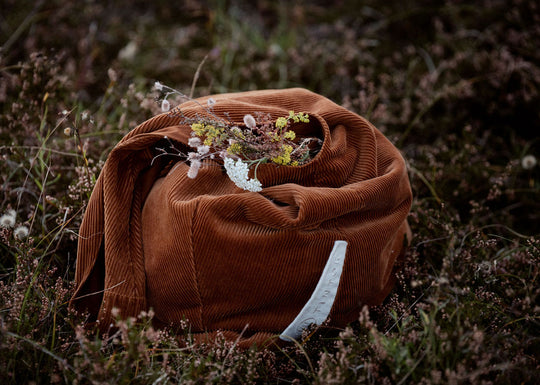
(319, 305)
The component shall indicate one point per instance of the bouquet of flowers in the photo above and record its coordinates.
(260, 139)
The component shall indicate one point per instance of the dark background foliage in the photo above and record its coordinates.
(454, 84)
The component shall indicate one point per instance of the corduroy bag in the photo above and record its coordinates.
(318, 242)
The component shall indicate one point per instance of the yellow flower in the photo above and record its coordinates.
(238, 133)
(212, 133)
(275, 137)
(235, 148)
(281, 122)
(290, 135)
(198, 128)
(285, 157)
(299, 117)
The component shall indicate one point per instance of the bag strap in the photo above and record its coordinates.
(319, 305)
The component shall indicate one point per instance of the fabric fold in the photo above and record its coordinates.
(206, 251)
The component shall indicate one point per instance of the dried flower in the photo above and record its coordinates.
(8, 220)
(20, 232)
(265, 139)
(203, 150)
(194, 142)
(158, 86)
(249, 121)
(238, 173)
(528, 162)
(165, 105)
(194, 168)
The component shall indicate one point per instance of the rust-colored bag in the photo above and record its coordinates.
(204, 250)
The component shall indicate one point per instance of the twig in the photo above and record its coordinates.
(196, 77)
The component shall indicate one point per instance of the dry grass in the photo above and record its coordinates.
(454, 84)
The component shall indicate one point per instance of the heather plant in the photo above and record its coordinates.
(455, 85)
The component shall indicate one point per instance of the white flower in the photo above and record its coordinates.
(210, 102)
(194, 169)
(158, 86)
(528, 162)
(8, 219)
(165, 105)
(194, 142)
(238, 173)
(203, 149)
(249, 121)
(68, 131)
(20, 232)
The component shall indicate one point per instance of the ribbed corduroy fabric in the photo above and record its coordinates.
(206, 251)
